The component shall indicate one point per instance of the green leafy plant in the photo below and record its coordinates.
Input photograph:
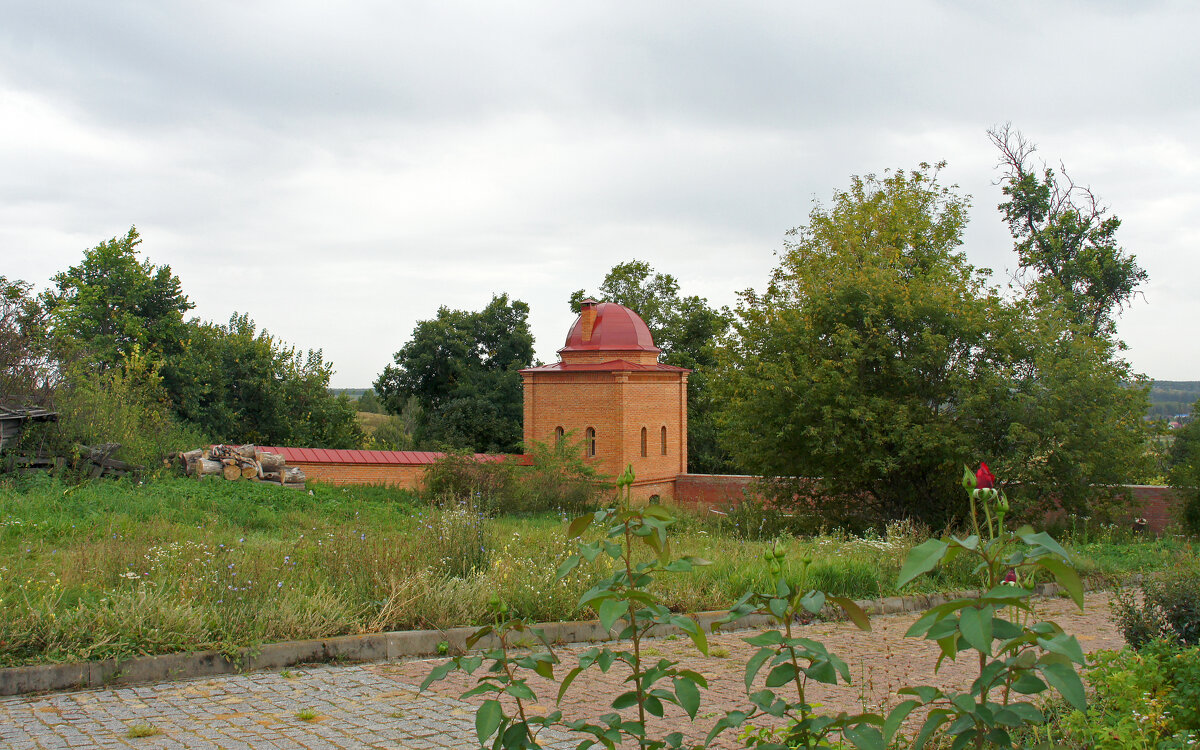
(1016, 657)
(306, 714)
(792, 662)
(623, 599)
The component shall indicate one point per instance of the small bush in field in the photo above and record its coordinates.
(1169, 608)
(1147, 698)
(557, 478)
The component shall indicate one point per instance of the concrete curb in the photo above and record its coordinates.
(377, 647)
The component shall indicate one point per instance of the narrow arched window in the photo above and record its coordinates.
(590, 440)
(558, 435)
(663, 439)
(643, 442)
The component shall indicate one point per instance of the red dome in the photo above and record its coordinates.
(616, 328)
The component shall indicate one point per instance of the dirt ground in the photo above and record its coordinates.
(881, 661)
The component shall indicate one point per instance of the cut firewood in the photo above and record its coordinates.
(292, 475)
(271, 461)
(232, 471)
(207, 466)
(249, 471)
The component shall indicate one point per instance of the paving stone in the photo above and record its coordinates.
(378, 705)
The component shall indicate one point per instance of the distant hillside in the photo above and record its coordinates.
(354, 393)
(1171, 397)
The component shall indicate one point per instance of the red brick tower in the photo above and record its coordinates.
(610, 391)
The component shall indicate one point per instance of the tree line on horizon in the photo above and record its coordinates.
(876, 357)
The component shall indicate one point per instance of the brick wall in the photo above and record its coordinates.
(1157, 506)
(402, 476)
(704, 491)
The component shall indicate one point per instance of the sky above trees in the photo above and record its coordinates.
(342, 171)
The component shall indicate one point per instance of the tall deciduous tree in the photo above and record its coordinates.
(686, 329)
(114, 302)
(239, 384)
(464, 370)
(880, 361)
(1065, 238)
(857, 362)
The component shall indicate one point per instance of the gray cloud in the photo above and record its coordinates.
(340, 171)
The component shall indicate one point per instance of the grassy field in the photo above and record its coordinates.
(119, 569)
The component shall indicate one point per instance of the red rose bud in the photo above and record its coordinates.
(984, 479)
(1010, 577)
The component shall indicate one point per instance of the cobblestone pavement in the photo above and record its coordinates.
(355, 707)
(377, 705)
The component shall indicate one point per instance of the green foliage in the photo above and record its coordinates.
(27, 372)
(1065, 240)
(557, 478)
(1016, 657)
(877, 359)
(1063, 415)
(125, 404)
(483, 483)
(792, 662)
(369, 402)
(1140, 699)
(1171, 397)
(1169, 608)
(391, 435)
(241, 385)
(859, 362)
(686, 329)
(623, 601)
(463, 368)
(114, 302)
(1185, 471)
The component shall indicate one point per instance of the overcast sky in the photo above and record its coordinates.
(339, 170)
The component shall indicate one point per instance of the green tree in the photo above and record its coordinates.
(114, 302)
(686, 329)
(241, 385)
(463, 368)
(858, 363)
(1065, 238)
(1185, 469)
(27, 372)
(369, 402)
(1063, 418)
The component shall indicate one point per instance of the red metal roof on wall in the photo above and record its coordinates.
(357, 457)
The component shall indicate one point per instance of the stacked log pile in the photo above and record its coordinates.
(235, 462)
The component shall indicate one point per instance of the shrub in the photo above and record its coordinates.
(125, 405)
(461, 478)
(1169, 608)
(1146, 698)
(557, 479)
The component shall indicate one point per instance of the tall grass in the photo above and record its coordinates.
(116, 568)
